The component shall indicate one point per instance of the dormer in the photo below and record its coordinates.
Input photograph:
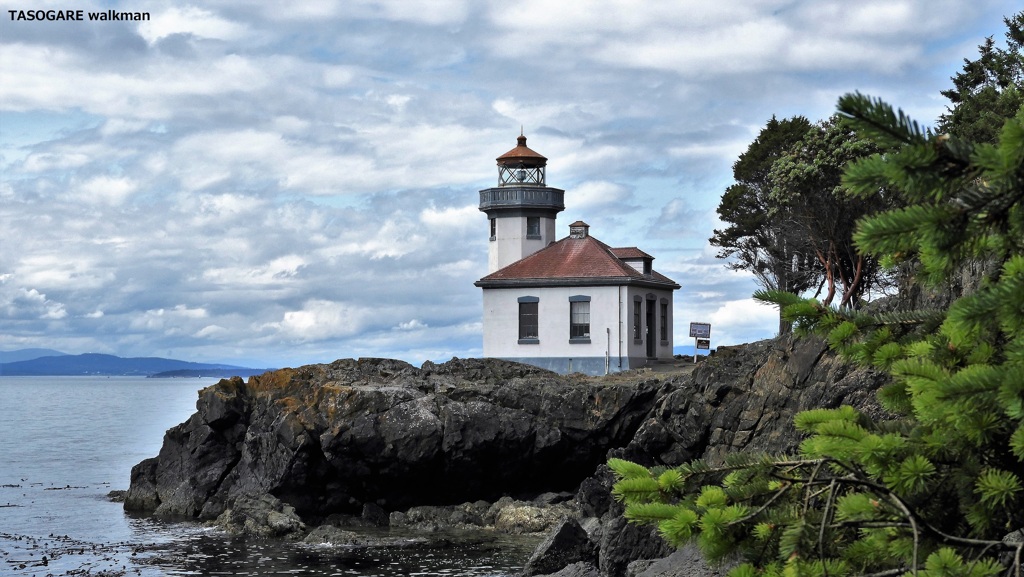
(639, 260)
(579, 229)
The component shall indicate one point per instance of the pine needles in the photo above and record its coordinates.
(930, 495)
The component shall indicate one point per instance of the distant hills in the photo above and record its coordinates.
(45, 362)
(27, 355)
(48, 362)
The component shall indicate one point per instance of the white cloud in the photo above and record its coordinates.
(597, 193)
(700, 39)
(30, 303)
(320, 319)
(70, 268)
(42, 73)
(55, 161)
(429, 12)
(465, 217)
(337, 76)
(190, 20)
(106, 189)
(411, 325)
(169, 321)
(118, 126)
(275, 272)
(744, 314)
(211, 331)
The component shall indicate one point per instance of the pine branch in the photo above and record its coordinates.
(877, 120)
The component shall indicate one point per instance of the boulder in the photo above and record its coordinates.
(263, 516)
(521, 518)
(339, 537)
(565, 545)
(330, 535)
(622, 543)
(434, 518)
(374, 515)
(684, 562)
(580, 569)
(1015, 540)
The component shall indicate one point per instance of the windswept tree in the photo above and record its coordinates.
(759, 239)
(790, 218)
(806, 189)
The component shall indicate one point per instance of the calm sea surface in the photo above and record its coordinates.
(66, 442)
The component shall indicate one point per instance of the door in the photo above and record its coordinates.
(652, 350)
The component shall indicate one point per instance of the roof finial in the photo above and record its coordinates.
(521, 139)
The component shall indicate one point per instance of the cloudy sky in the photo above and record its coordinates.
(291, 182)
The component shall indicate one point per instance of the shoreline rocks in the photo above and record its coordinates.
(352, 445)
(266, 516)
(331, 438)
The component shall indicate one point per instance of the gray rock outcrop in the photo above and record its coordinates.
(445, 446)
(742, 399)
(332, 438)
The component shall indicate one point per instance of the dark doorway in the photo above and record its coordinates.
(652, 351)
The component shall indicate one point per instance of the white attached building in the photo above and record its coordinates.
(572, 305)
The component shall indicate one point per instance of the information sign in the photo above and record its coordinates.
(704, 344)
(700, 330)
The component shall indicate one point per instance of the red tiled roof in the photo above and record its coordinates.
(630, 252)
(574, 258)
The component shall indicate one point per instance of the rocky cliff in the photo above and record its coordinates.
(333, 438)
(383, 436)
(742, 399)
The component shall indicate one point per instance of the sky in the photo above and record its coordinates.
(275, 184)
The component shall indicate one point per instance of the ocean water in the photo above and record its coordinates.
(66, 442)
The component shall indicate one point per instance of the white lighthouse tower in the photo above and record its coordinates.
(522, 209)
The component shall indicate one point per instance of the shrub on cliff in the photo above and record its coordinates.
(930, 494)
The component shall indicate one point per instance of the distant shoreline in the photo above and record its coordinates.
(196, 373)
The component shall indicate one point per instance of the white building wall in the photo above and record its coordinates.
(510, 244)
(611, 328)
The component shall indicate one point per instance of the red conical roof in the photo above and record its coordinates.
(521, 153)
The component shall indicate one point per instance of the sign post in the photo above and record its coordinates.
(701, 333)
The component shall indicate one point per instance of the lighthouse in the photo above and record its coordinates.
(569, 305)
(521, 210)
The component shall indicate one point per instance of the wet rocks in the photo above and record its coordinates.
(565, 545)
(262, 516)
(338, 537)
(506, 515)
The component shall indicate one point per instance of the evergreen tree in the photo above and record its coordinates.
(932, 492)
(761, 237)
(988, 90)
